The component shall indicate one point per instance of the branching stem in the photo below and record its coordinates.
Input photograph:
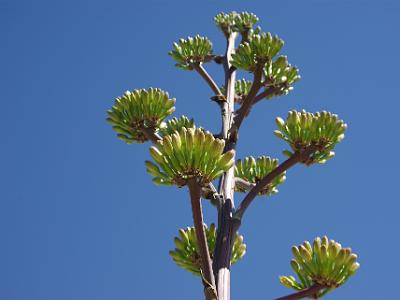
(311, 292)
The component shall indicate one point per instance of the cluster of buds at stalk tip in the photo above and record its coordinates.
(324, 263)
(175, 124)
(138, 110)
(190, 51)
(259, 50)
(235, 22)
(280, 75)
(188, 153)
(321, 131)
(187, 256)
(253, 170)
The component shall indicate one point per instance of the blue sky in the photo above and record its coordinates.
(79, 216)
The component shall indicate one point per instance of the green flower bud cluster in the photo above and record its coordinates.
(193, 50)
(187, 256)
(137, 110)
(188, 153)
(325, 263)
(175, 124)
(242, 88)
(253, 170)
(280, 74)
(259, 50)
(234, 22)
(320, 131)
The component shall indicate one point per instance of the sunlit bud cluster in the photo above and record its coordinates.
(137, 110)
(186, 254)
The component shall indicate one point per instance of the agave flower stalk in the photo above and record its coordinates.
(186, 155)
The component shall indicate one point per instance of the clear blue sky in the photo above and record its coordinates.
(79, 216)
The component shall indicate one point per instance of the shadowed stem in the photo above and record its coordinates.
(206, 266)
(311, 292)
(248, 101)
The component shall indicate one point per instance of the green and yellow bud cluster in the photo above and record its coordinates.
(234, 22)
(259, 50)
(137, 110)
(280, 74)
(321, 131)
(325, 263)
(254, 169)
(192, 50)
(187, 256)
(175, 124)
(188, 153)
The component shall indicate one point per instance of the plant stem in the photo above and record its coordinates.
(294, 159)
(203, 73)
(248, 101)
(208, 275)
(222, 253)
(310, 292)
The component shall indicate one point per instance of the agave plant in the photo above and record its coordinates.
(252, 169)
(139, 110)
(188, 153)
(186, 254)
(321, 130)
(259, 50)
(324, 263)
(190, 51)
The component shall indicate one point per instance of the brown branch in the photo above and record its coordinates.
(150, 134)
(203, 73)
(248, 101)
(273, 90)
(267, 179)
(311, 292)
(206, 265)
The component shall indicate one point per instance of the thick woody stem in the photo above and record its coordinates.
(222, 253)
(206, 266)
(311, 292)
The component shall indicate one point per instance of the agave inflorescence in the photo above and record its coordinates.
(138, 110)
(193, 50)
(175, 124)
(259, 50)
(321, 130)
(233, 22)
(253, 170)
(187, 256)
(188, 153)
(280, 74)
(324, 263)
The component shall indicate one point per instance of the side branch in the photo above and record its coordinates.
(248, 101)
(311, 292)
(294, 159)
(206, 265)
(266, 93)
(203, 73)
